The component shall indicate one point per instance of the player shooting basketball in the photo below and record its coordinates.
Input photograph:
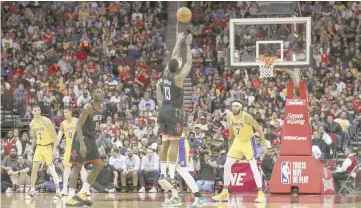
(295, 77)
(293, 74)
(241, 125)
(170, 119)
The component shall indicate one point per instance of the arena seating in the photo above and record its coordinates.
(52, 53)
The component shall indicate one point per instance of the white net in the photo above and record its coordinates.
(265, 71)
(266, 65)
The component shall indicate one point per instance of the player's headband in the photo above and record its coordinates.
(237, 103)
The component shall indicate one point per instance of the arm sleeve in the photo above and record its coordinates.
(137, 163)
(327, 139)
(346, 163)
(152, 105)
(19, 147)
(156, 163)
(159, 92)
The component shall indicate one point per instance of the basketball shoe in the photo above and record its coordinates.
(82, 197)
(199, 202)
(261, 198)
(74, 203)
(173, 202)
(224, 195)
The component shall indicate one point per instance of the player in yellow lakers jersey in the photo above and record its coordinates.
(44, 135)
(241, 125)
(68, 128)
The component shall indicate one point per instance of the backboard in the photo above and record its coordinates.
(288, 39)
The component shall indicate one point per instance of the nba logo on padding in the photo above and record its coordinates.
(285, 172)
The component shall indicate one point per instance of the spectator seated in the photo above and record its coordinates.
(107, 179)
(132, 164)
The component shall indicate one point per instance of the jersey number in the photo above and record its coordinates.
(40, 136)
(70, 135)
(167, 93)
(238, 129)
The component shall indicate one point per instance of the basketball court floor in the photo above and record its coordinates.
(154, 200)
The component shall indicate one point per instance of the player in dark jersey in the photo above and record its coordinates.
(170, 120)
(84, 149)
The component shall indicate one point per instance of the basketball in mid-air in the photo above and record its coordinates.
(184, 14)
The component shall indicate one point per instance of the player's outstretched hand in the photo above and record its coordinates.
(189, 39)
(180, 36)
(82, 149)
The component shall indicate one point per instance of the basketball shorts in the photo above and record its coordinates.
(170, 120)
(67, 156)
(44, 154)
(240, 149)
(91, 155)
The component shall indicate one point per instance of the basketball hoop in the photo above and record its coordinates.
(266, 65)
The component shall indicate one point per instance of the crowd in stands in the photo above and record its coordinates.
(52, 53)
(333, 82)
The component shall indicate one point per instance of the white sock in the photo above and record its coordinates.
(66, 178)
(85, 187)
(188, 179)
(172, 167)
(71, 192)
(163, 168)
(256, 173)
(174, 193)
(227, 170)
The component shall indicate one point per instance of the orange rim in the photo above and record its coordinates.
(267, 61)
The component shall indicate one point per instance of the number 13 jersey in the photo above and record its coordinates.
(172, 94)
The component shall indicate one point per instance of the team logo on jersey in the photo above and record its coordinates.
(178, 128)
(39, 129)
(286, 172)
(74, 154)
(97, 117)
(237, 124)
